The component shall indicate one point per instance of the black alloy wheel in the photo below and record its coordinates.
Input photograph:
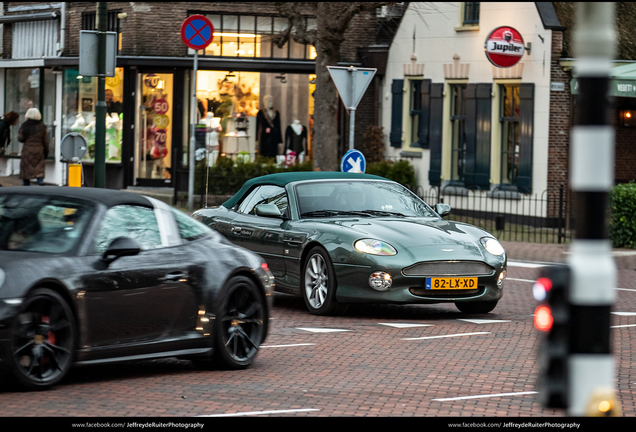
(241, 323)
(42, 341)
(478, 307)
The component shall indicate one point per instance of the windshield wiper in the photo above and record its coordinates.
(383, 213)
(328, 213)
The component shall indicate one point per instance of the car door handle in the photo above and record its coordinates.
(236, 230)
(174, 277)
(292, 241)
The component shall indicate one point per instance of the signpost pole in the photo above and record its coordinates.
(99, 175)
(192, 130)
(352, 109)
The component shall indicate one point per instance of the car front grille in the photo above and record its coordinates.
(449, 268)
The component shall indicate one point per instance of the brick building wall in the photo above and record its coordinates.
(625, 170)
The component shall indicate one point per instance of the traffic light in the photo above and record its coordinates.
(552, 317)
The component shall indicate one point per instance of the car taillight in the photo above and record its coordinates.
(265, 267)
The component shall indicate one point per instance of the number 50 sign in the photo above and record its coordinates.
(161, 106)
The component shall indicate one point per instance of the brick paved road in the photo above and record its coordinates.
(369, 369)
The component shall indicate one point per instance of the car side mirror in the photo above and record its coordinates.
(442, 209)
(267, 210)
(120, 247)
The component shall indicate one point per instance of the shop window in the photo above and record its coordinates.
(30, 88)
(229, 104)
(79, 100)
(252, 36)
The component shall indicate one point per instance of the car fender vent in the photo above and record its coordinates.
(449, 268)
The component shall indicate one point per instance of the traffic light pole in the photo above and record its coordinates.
(593, 271)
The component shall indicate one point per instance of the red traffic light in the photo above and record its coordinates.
(543, 319)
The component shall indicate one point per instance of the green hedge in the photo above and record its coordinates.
(226, 177)
(623, 215)
(400, 171)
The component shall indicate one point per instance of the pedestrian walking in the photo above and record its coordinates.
(35, 137)
(7, 120)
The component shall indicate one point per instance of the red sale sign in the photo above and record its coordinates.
(161, 106)
(504, 47)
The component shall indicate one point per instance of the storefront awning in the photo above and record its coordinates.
(622, 81)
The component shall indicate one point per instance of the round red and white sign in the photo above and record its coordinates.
(504, 47)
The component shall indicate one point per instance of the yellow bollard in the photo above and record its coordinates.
(75, 175)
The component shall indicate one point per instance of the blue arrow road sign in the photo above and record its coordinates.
(353, 161)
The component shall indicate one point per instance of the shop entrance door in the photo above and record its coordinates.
(153, 141)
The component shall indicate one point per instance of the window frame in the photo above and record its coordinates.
(256, 30)
(470, 14)
(509, 125)
(415, 111)
(460, 118)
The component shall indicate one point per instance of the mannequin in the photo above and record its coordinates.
(268, 130)
(296, 138)
(213, 127)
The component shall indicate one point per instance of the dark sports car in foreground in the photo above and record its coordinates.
(339, 238)
(93, 275)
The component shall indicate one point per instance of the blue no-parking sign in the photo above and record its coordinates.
(354, 162)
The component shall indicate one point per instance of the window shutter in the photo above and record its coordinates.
(435, 133)
(526, 115)
(478, 126)
(395, 137)
(425, 101)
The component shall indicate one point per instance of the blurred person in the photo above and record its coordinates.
(33, 133)
(8, 120)
(112, 106)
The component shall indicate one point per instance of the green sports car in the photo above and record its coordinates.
(339, 238)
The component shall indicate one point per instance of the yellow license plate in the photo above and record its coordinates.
(451, 283)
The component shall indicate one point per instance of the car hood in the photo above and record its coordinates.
(421, 236)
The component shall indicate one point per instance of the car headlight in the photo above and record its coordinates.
(374, 247)
(492, 246)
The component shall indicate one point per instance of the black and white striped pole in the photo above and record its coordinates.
(593, 271)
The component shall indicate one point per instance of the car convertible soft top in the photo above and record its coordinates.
(282, 179)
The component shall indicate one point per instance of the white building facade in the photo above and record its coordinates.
(465, 124)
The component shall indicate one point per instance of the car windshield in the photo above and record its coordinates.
(41, 224)
(359, 198)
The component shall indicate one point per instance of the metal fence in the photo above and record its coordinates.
(510, 216)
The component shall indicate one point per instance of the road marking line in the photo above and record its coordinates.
(625, 289)
(485, 396)
(285, 346)
(447, 336)
(483, 321)
(520, 280)
(399, 325)
(624, 313)
(261, 412)
(621, 326)
(321, 330)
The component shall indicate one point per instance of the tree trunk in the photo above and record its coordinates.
(325, 147)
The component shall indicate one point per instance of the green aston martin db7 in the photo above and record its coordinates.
(339, 238)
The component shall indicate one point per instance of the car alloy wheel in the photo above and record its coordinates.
(42, 340)
(241, 323)
(319, 284)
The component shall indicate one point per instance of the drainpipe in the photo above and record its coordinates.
(62, 43)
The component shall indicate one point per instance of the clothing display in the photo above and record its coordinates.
(268, 132)
(296, 138)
